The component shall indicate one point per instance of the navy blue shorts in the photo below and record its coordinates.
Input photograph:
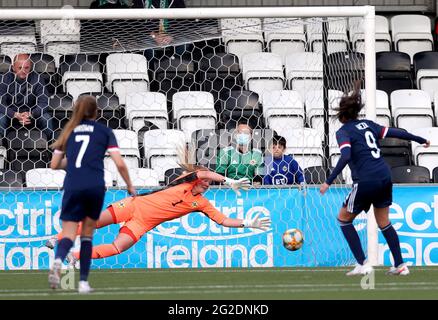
(78, 204)
(367, 193)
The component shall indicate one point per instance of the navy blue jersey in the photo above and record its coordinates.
(362, 136)
(282, 171)
(85, 151)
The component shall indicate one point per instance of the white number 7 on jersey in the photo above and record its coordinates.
(85, 140)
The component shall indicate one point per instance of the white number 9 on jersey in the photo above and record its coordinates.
(371, 142)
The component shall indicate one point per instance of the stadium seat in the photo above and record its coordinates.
(206, 143)
(241, 106)
(3, 155)
(337, 39)
(127, 141)
(27, 149)
(283, 109)
(305, 145)
(171, 174)
(426, 71)
(411, 109)
(219, 73)
(426, 157)
(315, 110)
(193, 110)
(242, 36)
(11, 179)
(5, 63)
(44, 65)
(357, 35)
(109, 111)
(318, 175)
(435, 106)
(393, 71)
(60, 37)
(140, 177)
(262, 71)
(18, 38)
(45, 178)
(396, 152)
(410, 174)
(435, 175)
(62, 107)
(411, 33)
(126, 73)
(383, 113)
(174, 74)
(344, 69)
(80, 73)
(162, 149)
(150, 106)
(304, 72)
(284, 36)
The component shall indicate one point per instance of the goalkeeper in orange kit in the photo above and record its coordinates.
(142, 213)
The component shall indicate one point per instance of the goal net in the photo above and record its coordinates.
(221, 82)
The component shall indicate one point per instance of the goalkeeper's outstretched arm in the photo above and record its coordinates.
(256, 222)
(243, 183)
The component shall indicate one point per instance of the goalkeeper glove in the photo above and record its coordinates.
(242, 183)
(262, 224)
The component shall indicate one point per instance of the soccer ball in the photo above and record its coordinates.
(293, 239)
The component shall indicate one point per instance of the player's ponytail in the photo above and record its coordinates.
(350, 105)
(186, 159)
(84, 108)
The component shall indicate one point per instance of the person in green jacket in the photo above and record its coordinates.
(241, 161)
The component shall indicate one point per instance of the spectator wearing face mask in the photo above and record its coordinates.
(241, 161)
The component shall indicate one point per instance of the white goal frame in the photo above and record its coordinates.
(366, 12)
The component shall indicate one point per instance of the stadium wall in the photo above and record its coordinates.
(29, 217)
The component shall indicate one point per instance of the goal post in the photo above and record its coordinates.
(182, 111)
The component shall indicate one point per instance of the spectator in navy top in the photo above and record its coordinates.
(359, 144)
(80, 150)
(281, 168)
(23, 97)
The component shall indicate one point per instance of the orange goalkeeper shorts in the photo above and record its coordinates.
(124, 212)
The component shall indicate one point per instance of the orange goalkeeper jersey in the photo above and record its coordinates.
(174, 201)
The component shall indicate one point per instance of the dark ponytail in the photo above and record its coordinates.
(350, 105)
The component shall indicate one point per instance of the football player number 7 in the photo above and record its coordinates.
(371, 142)
(85, 139)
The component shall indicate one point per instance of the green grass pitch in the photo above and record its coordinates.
(217, 284)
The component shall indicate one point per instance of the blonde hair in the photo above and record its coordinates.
(184, 160)
(84, 108)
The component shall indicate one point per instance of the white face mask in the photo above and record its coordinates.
(243, 139)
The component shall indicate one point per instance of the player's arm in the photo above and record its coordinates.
(59, 161)
(402, 134)
(242, 183)
(218, 217)
(255, 222)
(345, 147)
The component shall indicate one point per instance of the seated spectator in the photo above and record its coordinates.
(161, 30)
(281, 169)
(23, 97)
(241, 161)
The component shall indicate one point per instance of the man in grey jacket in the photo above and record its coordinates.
(23, 97)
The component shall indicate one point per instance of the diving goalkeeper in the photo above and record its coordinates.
(142, 213)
